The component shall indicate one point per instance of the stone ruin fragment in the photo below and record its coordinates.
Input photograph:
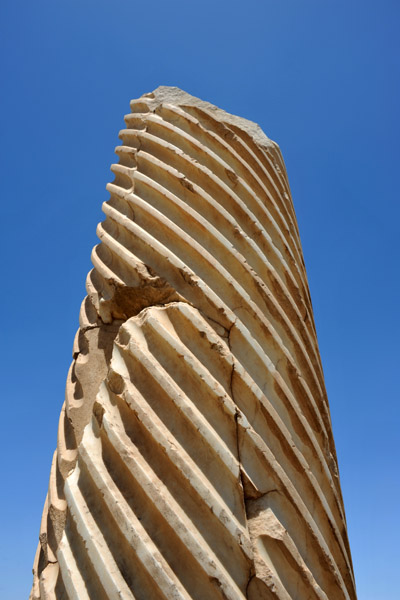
(195, 457)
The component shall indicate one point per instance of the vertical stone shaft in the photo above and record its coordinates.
(195, 456)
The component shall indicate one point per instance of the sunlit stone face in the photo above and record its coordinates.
(195, 457)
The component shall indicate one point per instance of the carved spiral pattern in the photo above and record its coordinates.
(208, 467)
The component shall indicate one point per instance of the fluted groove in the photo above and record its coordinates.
(195, 454)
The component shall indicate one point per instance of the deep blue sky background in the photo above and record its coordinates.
(321, 77)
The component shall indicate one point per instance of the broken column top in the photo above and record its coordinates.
(166, 94)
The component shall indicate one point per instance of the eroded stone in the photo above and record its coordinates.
(195, 455)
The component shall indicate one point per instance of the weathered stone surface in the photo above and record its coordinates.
(195, 456)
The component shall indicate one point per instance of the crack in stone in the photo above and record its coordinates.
(240, 478)
(252, 575)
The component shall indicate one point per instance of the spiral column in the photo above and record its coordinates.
(195, 455)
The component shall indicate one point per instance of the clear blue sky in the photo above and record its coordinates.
(321, 77)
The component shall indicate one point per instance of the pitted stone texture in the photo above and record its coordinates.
(195, 454)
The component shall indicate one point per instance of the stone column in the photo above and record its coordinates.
(195, 456)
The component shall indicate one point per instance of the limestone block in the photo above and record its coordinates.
(195, 456)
